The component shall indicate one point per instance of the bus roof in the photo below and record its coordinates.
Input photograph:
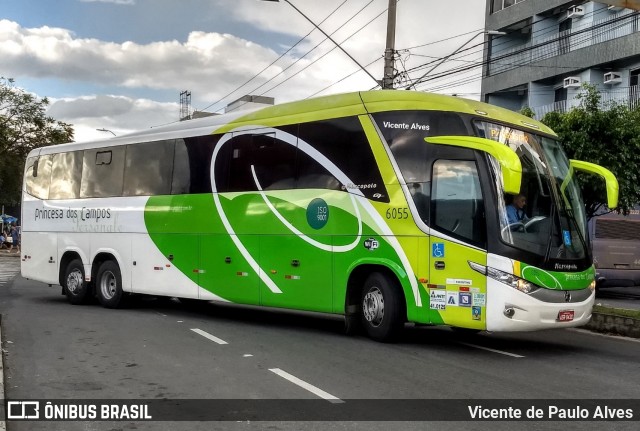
(320, 108)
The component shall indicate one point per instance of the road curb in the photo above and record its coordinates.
(614, 322)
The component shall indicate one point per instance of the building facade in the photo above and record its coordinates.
(552, 47)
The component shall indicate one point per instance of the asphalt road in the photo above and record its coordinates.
(159, 349)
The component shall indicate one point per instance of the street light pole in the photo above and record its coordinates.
(106, 130)
(489, 32)
(328, 37)
(389, 69)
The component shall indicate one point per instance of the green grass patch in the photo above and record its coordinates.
(621, 312)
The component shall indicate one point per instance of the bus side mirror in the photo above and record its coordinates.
(507, 158)
(610, 179)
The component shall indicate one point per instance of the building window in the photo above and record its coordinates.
(498, 5)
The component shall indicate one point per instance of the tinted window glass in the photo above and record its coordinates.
(405, 132)
(102, 172)
(456, 200)
(345, 144)
(148, 168)
(181, 173)
(42, 177)
(28, 174)
(66, 175)
(313, 175)
(243, 155)
(274, 162)
(193, 163)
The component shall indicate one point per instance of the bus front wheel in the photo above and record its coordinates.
(75, 287)
(109, 285)
(381, 308)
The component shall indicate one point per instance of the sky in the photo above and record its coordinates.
(120, 65)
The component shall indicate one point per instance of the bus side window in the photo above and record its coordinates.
(456, 200)
(102, 172)
(181, 178)
(41, 177)
(30, 167)
(147, 169)
(243, 155)
(192, 165)
(344, 142)
(274, 162)
(66, 175)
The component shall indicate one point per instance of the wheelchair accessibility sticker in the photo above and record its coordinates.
(437, 249)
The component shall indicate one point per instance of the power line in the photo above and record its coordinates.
(494, 46)
(331, 50)
(276, 60)
(311, 50)
(586, 35)
(328, 52)
(342, 79)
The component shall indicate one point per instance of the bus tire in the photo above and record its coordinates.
(75, 287)
(109, 285)
(382, 316)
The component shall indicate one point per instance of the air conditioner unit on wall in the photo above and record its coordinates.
(571, 82)
(612, 78)
(575, 12)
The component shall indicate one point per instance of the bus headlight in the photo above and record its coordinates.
(511, 280)
(592, 286)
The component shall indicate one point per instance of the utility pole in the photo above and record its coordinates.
(389, 52)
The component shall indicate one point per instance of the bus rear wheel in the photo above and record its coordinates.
(381, 308)
(75, 287)
(109, 285)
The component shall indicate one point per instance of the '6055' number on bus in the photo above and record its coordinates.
(397, 213)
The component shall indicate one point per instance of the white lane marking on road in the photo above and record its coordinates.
(304, 385)
(247, 355)
(209, 336)
(492, 350)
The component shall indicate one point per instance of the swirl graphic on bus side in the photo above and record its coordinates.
(356, 195)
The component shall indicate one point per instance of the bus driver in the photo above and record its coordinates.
(515, 211)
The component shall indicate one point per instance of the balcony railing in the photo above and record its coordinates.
(617, 25)
(625, 95)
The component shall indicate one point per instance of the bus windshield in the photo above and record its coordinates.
(553, 222)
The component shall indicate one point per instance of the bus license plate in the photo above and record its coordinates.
(565, 316)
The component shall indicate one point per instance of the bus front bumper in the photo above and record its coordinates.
(510, 310)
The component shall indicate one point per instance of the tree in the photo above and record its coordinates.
(608, 135)
(24, 126)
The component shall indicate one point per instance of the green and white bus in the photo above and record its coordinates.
(386, 207)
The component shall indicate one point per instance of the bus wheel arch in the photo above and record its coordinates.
(107, 279)
(376, 302)
(72, 279)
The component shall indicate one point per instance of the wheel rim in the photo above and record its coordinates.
(108, 285)
(74, 281)
(373, 306)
